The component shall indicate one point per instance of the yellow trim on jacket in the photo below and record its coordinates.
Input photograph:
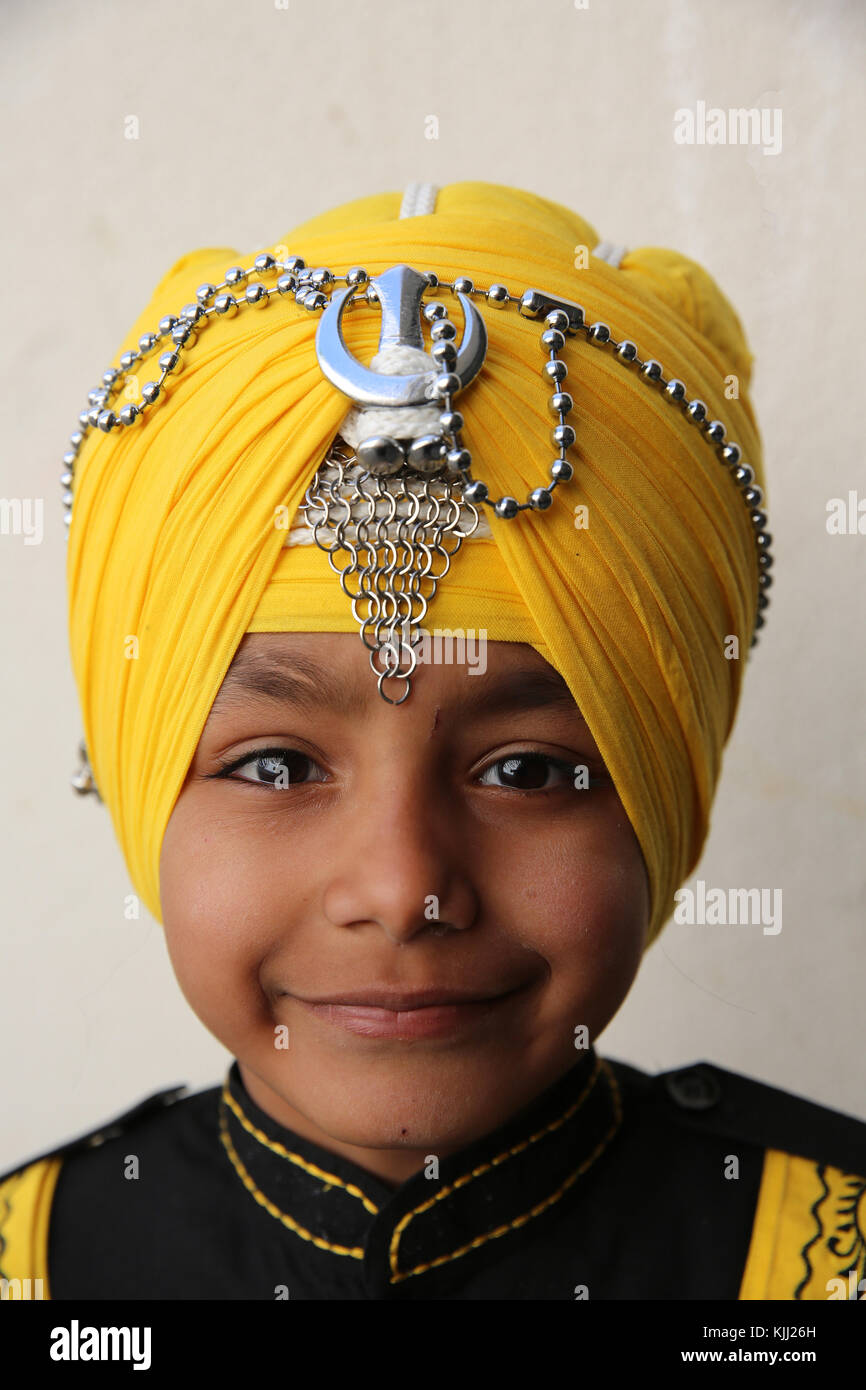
(25, 1210)
(809, 1233)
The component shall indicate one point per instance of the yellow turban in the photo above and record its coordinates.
(173, 539)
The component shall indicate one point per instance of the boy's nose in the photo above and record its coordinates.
(402, 863)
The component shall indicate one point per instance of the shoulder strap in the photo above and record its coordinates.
(26, 1195)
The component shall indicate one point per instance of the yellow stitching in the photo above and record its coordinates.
(330, 1178)
(397, 1277)
(355, 1252)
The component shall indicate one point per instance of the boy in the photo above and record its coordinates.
(409, 894)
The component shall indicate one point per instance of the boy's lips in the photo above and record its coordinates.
(384, 1012)
(403, 1000)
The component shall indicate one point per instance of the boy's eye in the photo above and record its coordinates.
(275, 767)
(531, 772)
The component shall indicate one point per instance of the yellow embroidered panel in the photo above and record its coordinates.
(25, 1209)
(809, 1234)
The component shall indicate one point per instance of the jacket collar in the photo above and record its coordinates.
(432, 1229)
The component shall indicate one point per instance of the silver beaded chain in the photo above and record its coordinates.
(308, 288)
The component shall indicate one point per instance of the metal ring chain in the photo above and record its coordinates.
(391, 535)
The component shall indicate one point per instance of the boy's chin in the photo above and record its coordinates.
(430, 1114)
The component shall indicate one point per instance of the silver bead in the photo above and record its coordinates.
(427, 453)
(98, 397)
(130, 414)
(744, 475)
(652, 370)
(66, 479)
(263, 263)
(381, 455)
(84, 420)
(294, 263)
(444, 352)
(458, 460)
(110, 377)
(182, 334)
(540, 499)
(193, 313)
(205, 292)
(731, 454)
(556, 370)
(563, 436)
(675, 390)
(626, 350)
(763, 539)
(150, 392)
(76, 440)
(599, 333)
(67, 499)
(553, 340)
(127, 360)
(561, 403)
(169, 362)
(497, 295)
(463, 285)
(451, 421)
(434, 310)
(765, 561)
(759, 621)
(107, 421)
(531, 304)
(753, 495)
(758, 519)
(443, 330)
(446, 384)
(236, 275)
(226, 304)
(507, 507)
(256, 294)
(167, 324)
(558, 320)
(561, 470)
(93, 416)
(286, 283)
(357, 276)
(716, 432)
(147, 342)
(68, 459)
(697, 411)
(321, 277)
(315, 299)
(432, 279)
(476, 492)
(764, 579)
(67, 519)
(763, 601)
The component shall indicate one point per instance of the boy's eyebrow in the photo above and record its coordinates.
(300, 681)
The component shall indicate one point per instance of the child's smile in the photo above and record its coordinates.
(399, 918)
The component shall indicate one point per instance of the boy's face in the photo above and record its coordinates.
(440, 846)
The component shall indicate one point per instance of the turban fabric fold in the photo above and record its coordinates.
(173, 539)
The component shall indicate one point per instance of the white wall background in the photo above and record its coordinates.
(254, 118)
